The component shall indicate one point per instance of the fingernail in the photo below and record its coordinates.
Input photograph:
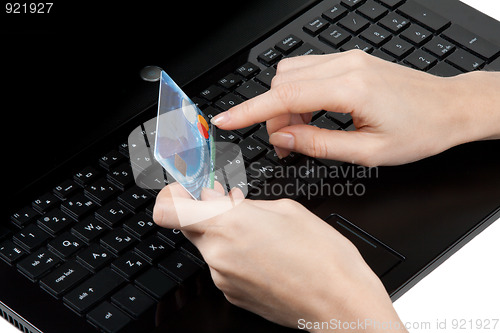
(220, 119)
(283, 140)
(279, 152)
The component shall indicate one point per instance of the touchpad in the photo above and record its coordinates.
(380, 257)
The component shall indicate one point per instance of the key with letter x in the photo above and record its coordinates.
(153, 248)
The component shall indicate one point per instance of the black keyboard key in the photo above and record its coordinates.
(354, 23)
(288, 44)
(94, 257)
(133, 301)
(100, 191)
(324, 122)
(424, 16)
(343, 119)
(251, 149)
(261, 170)
(230, 81)
(416, 34)
(315, 26)
(290, 159)
(269, 57)
(372, 10)
(37, 264)
(471, 41)
(211, 112)
(398, 48)
(24, 216)
(92, 291)
(248, 70)
(335, 13)
(265, 77)
(121, 176)
(245, 131)
(153, 248)
(212, 92)
(444, 70)
(493, 66)
(77, 206)
(335, 36)
(465, 61)
(156, 284)
(108, 318)
(54, 221)
(439, 47)
(88, 229)
(140, 225)
(394, 22)
(228, 101)
(376, 35)
(306, 49)
(65, 245)
(86, 176)
(123, 149)
(111, 160)
(357, 44)
(382, 55)
(226, 136)
(66, 189)
(350, 128)
(352, 4)
(230, 161)
(179, 267)
(262, 135)
(135, 198)
(117, 241)
(198, 101)
(311, 171)
(421, 60)
(391, 3)
(129, 265)
(192, 252)
(64, 278)
(250, 89)
(45, 202)
(112, 213)
(10, 252)
(172, 236)
(30, 237)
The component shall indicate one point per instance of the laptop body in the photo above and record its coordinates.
(410, 219)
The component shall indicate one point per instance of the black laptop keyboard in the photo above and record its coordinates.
(90, 240)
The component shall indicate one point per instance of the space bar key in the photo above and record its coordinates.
(93, 290)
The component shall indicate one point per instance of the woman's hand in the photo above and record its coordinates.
(401, 115)
(277, 259)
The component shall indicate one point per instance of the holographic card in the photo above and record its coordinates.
(184, 143)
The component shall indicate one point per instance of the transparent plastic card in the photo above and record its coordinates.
(184, 143)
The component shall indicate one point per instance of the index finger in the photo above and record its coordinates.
(289, 97)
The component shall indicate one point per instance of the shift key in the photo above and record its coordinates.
(93, 290)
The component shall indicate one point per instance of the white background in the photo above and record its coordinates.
(466, 286)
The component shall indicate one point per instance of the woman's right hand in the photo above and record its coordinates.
(400, 114)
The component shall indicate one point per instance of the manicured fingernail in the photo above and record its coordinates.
(283, 140)
(220, 119)
(279, 152)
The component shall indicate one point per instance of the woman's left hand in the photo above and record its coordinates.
(275, 258)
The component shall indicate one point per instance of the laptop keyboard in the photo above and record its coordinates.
(90, 240)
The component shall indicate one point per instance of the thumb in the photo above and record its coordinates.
(353, 146)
